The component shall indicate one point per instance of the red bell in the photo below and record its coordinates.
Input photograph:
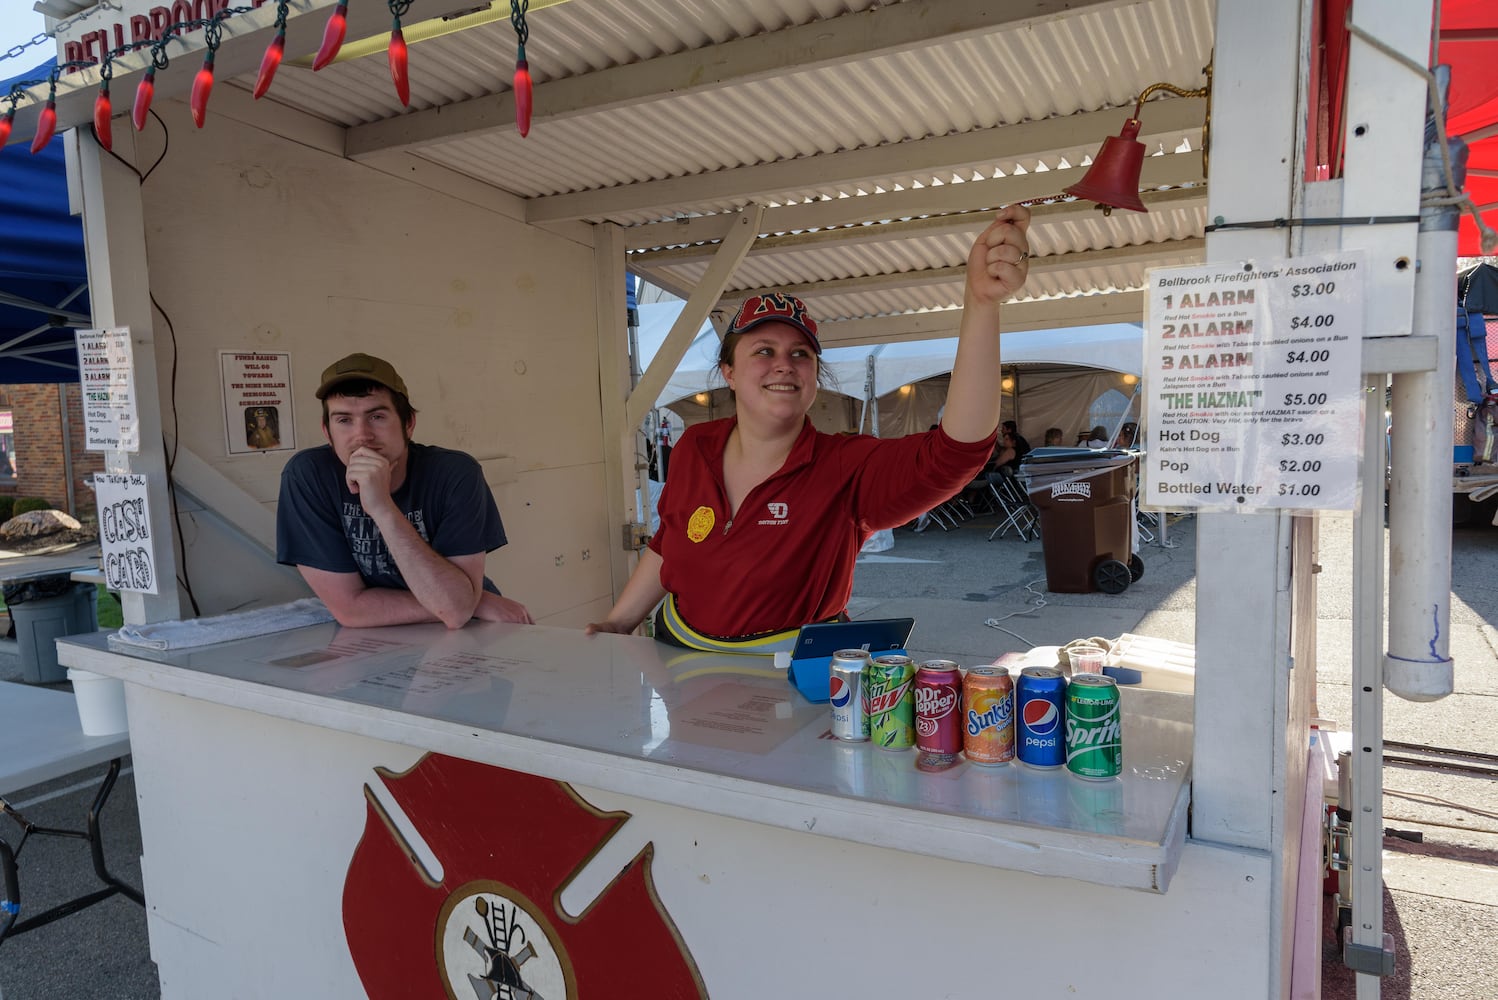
(1113, 179)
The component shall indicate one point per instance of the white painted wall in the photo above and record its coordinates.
(259, 243)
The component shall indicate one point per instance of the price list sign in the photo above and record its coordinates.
(1254, 376)
(106, 368)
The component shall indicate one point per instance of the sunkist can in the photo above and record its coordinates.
(850, 707)
(889, 682)
(988, 715)
(938, 707)
(1094, 744)
(1040, 706)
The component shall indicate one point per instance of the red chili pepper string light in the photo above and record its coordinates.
(274, 52)
(144, 91)
(202, 87)
(400, 73)
(399, 65)
(522, 84)
(332, 36)
(46, 123)
(202, 84)
(102, 115)
(269, 63)
(5, 126)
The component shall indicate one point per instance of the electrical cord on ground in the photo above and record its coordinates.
(1035, 605)
(1432, 800)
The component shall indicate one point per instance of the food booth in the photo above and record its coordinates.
(419, 812)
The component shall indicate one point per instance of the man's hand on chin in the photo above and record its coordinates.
(368, 475)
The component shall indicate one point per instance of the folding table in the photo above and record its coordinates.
(41, 739)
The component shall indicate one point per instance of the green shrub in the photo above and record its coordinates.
(7, 508)
(25, 505)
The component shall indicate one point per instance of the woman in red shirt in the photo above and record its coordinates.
(763, 516)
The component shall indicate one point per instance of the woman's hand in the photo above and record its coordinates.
(606, 626)
(999, 261)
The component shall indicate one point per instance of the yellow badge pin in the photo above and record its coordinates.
(700, 524)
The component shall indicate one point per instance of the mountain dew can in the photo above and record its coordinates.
(1094, 744)
(890, 685)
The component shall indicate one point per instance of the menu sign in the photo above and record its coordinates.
(106, 369)
(1254, 375)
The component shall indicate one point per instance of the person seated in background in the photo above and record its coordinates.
(1054, 436)
(1097, 437)
(1010, 437)
(1128, 435)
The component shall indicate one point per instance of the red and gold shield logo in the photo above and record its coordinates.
(492, 925)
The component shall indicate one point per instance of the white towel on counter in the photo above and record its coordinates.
(224, 628)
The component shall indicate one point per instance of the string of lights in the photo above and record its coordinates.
(332, 41)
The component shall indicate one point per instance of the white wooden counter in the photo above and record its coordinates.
(264, 761)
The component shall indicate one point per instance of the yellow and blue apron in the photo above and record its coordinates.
(670, 628)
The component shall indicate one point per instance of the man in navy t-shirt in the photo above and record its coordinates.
(386, 531)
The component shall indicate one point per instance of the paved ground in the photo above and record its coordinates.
(1441, 895)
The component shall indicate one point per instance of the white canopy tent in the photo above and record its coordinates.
(1060, 377)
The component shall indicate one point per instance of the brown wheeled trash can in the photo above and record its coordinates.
(1086, 503)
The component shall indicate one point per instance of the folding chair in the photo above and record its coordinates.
(1015, 509)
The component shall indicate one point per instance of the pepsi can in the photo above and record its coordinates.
(850, 707)
(1040, 705)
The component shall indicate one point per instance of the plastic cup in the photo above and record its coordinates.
(101, 703)
(1086, 659)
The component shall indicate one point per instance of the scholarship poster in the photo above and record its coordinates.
(106, 370)
(1255, 393)
(126, 551)
(257, 401)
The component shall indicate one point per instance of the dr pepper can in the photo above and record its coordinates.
(938, 707)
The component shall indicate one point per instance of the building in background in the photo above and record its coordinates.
(42, 432)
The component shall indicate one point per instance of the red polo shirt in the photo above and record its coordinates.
(787, 557)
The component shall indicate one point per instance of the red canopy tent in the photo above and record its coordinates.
(1468, 43)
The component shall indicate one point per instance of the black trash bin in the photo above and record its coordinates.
(1086, 503)
(42, 611)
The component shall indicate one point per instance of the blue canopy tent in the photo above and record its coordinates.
(43, 269)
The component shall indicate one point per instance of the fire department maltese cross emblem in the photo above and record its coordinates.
(489, 924)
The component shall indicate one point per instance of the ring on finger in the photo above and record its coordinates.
(1024, 256)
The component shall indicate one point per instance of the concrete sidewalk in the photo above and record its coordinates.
(1441, 895)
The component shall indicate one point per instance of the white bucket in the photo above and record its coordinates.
(101, 703)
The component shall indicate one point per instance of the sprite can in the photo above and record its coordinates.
(890, 685)
(1094, 744)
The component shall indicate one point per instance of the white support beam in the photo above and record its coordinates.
(926, 227)
(1166, 170)
(620, 476)
(1243, 780)
(864, 34)
(1144, 253)
(226, 498)
(730, 254)
(114, 234)
(1166, 121)
(1042, 314)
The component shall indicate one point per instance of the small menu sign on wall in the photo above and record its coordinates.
(106, 370)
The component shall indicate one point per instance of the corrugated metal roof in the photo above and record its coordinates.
(829, 112)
